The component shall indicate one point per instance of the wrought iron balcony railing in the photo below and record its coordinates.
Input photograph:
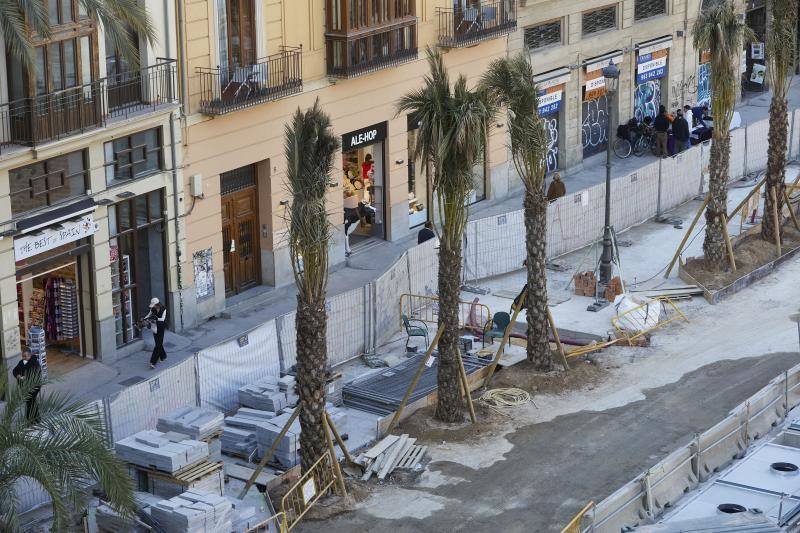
(61, 114)
(360, 52)
(465, 26)
(223, 90)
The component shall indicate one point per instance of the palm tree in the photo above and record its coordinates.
(63, 450)
(781, 43)
(453, 125)
(511, 81)
(719, 30)
(20, 20)
(310, 149)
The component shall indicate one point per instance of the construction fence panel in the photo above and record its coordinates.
(139, 406)
(287, 340)
(388, 289)
(500, 242)
(794, 138)
(224, 368)
(737, 168)
(705, 160)
(575, 220)
(680, 178)
(634, 197)
(757, 145)
(345, 333)
(423, 268)
(30, 494)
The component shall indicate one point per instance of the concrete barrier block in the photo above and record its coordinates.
(720, 445)
(765, 409)
(625, 507)
(672, 478)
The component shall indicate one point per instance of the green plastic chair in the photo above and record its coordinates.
(496, 327)
(415, 328)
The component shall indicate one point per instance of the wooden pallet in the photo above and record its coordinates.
(186, 475)
(412, 457)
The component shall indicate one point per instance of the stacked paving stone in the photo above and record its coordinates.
(194, 512)
(239, 435)
(168, 452)
(269, 394)
(196, 422)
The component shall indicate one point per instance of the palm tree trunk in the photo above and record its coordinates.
(312, 361)
(539, 352)
(714, 244)
(450, 404)
(776, 165)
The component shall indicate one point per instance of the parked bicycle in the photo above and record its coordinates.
(634, 138)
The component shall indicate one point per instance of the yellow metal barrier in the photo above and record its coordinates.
(426, 308)
(273, 523)
(589, 348)
(664, 301)
(311, 486)
(574, 525)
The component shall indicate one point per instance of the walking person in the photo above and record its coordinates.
(156, 319)
(680, 130)
(27, 368)
(661, 126)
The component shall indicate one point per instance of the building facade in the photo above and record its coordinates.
(570, 42)
(251, 64)
(87, 181)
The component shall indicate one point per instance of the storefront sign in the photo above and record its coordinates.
(68, 231)
(656, 45)
(651, 66)
(595, 86)
(601, 62)
(551, 79)
(759, 71)
(550, 101)
(757, 50)
(364, 137)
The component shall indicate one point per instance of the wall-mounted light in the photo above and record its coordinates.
(399, 162)
(104, 201)
(284, 202)
(125, 194)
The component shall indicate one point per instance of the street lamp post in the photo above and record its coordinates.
(611, 75)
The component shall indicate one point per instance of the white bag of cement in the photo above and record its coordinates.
(634, 314)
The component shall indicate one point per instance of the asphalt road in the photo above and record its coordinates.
(554, 468)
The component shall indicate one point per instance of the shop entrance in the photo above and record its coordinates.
(241, 247)
(363, 183)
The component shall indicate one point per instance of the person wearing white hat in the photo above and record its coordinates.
(156, 320)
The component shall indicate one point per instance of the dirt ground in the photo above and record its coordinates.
(523, 376)
(329, 506)
(750, 253)
(427, 429)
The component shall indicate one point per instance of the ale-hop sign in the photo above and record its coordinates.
(66, 232)
(364, 137)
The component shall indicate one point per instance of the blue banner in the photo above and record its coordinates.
(650, 69)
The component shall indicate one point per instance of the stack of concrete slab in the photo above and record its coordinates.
(287, 385)
(196, 422)
(167, 452)
(239, 434)
(287, 454)
(265, 394)
(194, 512)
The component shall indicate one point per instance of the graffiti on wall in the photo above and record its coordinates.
(551, 130)
(203, 262)
(704, 84)
(594, 128)
(682, 92)
(646, 99)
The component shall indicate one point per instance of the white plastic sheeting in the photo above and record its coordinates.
(346, 315)
(423, 268)
(287, 340)
(224, 368)
(737, 169)
(139, 406)
(680, 178)
(634, 197)
(757, 145)
(388, 289)
(495, 245)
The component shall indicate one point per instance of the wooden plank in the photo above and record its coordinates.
(408, 453)
(403, 451)
(386, 466)
(381, 447)
(404, 462)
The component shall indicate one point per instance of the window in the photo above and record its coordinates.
(136, 230)
(599, 20)
(133, 157)
(644, 9)
(48, 182)
(237, 33)
(546, 34)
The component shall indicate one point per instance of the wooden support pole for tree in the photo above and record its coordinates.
(347, 456)
(414, 380)
(728, 244)
(791, 211)
(269, 453)
(753, 191)
(465, 384)
(686, 236)
(776, 219)
(557, 339)
(501, 349)
(336, 466)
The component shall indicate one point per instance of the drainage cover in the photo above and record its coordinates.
(730, 508)
(784, 467)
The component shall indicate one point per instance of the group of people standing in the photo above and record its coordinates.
(684, 124)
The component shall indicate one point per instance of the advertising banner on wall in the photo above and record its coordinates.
(651, 66)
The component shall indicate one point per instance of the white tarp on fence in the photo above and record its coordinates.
(224, 368)
(423, 268)
(388, 289)
(345, 335)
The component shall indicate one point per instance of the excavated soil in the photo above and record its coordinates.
(751, 253)
(427, 429)
(329, 506)
(582, 374)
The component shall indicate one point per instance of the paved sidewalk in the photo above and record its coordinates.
(261, 304)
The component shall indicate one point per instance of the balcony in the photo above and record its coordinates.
(224, 90)
(30, 122)
(466, 26)
(366, 50)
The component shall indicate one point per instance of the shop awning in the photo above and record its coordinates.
(654, 45)
(600, 62)
(82, 206)
(552, 78)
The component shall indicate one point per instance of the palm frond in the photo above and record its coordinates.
(782, 45)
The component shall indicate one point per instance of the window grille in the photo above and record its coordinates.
(599, 20)
(644, 9)
(546, 34)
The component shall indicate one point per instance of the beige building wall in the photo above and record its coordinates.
(256, 135)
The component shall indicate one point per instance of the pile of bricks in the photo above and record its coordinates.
(613, 289)
(585, 284)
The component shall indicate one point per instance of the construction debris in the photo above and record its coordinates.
(390, 454)
(194, 512)
(167, 452)
(585, 284)
(195, 422)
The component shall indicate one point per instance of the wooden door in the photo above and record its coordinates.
(240, 241)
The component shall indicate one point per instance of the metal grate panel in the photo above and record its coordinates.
(546, 34)
(599, 20)
(237, 179)
(644, 9)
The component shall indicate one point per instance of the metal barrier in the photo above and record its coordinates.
(275, 523)
(311, 486)
(661, 300)
(574, 525)
(471, 315)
